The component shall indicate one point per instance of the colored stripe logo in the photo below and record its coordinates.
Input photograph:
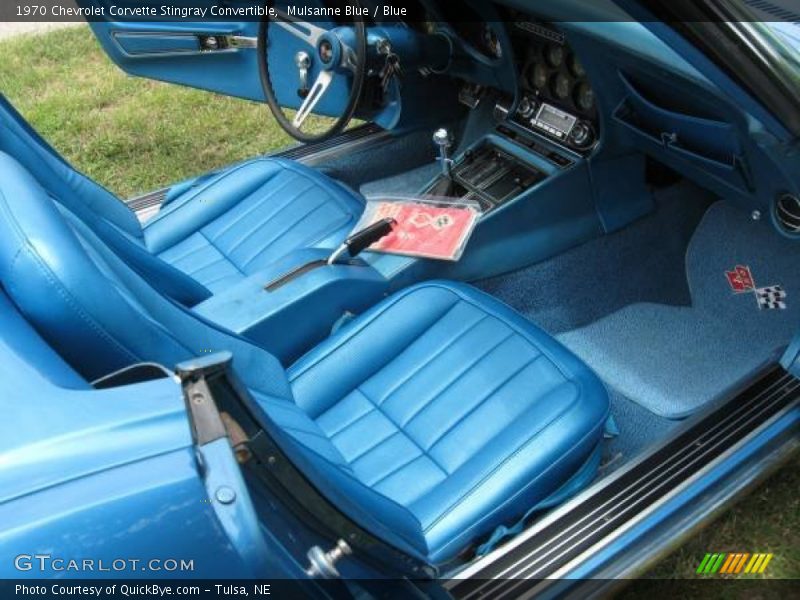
(733, 563)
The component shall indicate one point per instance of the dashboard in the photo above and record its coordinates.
(560, 86)
(551, 70)
(544, 87)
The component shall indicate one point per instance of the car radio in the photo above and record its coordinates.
(554, 121)
(543, 118)
(555, 98)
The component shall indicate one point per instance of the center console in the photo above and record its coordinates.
(489, 176)
(292, 304)
(551, 122)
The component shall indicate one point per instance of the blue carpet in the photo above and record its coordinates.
(638, 427)
(675, 359)
(650, 310)
(642, 263)
(410, 182)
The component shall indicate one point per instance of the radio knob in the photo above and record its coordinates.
(526, 107)
(582, 134)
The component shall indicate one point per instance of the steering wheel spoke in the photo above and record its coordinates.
(316, 92)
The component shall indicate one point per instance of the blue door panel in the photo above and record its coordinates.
(171, 51)
(106, 474)
(154, 511)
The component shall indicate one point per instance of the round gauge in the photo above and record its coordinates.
(584, 97)
(538, 76)
(576, 67)
(561, 85)
(555, 55)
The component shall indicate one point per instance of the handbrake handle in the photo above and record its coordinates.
(363, 239)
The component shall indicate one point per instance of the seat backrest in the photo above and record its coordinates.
(101, 316)
(31, 356)
(107, 216)
(56, 176)
(85, 301)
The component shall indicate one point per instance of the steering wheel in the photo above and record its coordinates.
(335, 58)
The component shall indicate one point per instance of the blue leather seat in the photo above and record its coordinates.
(248, 216)
(225, 227)
(430, 420)
(453, 406)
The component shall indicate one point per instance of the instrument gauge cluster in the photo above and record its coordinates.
(556, 98)
(552, 71)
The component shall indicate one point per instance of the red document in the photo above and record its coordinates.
(425, 230)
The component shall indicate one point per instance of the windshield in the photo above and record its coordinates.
(756, 42)
(788, 34)
(777, 23)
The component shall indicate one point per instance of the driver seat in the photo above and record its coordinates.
(224, 227)
(248, 216)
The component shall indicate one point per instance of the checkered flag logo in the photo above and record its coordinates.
(771, 297)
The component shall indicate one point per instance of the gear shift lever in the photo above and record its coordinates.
(444, 141)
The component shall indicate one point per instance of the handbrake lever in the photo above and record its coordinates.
(363, 239)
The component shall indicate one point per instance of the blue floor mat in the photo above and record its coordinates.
(649, 308)
(672, 359)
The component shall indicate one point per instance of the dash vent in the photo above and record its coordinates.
(787, 213)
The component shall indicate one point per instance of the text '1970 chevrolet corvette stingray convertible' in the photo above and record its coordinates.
(525, 326)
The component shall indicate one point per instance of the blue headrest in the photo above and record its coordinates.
(93, 308)
(98, 208)
(58, 178)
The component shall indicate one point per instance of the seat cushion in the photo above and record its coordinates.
(236, 223)
(451, 405)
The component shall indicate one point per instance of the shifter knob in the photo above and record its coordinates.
(444, 141)
(442, 138)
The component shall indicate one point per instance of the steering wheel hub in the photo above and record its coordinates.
(326, 52)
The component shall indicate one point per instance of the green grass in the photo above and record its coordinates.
(132, 135)
(767, 520)
(135, 135)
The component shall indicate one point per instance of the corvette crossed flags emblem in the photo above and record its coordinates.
(768, 298)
